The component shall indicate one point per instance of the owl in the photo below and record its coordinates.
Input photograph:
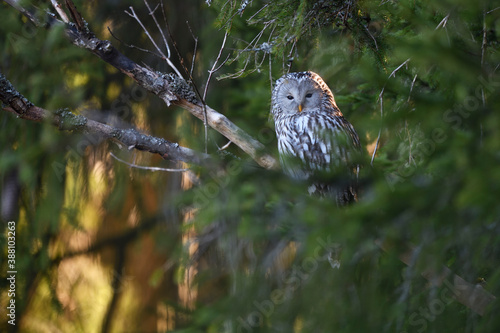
(315, 142)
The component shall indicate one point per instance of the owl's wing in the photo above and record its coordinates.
(345, 145)
(328, 142)
(324, 145)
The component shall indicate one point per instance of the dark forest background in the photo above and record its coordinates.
(103, 247)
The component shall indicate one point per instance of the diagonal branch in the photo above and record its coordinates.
(66, 120)
(172, 90)
(19, 7)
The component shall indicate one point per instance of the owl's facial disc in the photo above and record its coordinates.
(300, 97)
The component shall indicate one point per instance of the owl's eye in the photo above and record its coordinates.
(290, 97)
(309, 95)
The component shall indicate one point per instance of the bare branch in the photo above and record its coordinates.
(166, 24)
(134, 16)
(374, 40)
(60, 11)
(147, 167)
(257, 12)
(490, 11)
(151, 12)
(172, 90)
(485, 40)
(68, 121)
(164, 57)
(181, 59)
(411, 87)
(194, 50)
(133, 46)
(443, 22)
(210, 73)
(381, 98)
(225, 146)
(393, 74)
(251, 47)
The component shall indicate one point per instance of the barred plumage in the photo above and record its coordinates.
(315, 141)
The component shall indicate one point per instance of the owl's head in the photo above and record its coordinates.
(301, 92)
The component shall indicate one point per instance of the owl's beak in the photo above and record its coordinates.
(300, 107)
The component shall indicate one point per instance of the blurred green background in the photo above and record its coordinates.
(101, 247)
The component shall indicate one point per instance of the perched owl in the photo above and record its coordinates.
(315, 141)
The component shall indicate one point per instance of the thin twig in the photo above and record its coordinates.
(484, 43)
(226, 145)
(483, 50)
(194, 51)
(251, 46)
(151, 12)
(411, 88)
(251, 17)
(492, 10)
(381, 98)
(133, 46)
(374, 40)
(164, 57)
(270, 74)
(181, 60)
(134, 16)
(410, 156)
(443, 22)
(146, 167)
(394, 71)
(210, 73)
(222, 63)
(164, 14)
(269, 41)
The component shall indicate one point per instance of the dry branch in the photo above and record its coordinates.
(173, 90)
(170, 88)
(66, 120)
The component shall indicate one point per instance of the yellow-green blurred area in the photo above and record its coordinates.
(101, 246)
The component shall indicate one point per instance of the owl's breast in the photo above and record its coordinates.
(304, 144)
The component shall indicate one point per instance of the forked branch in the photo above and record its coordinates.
(172, 90)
